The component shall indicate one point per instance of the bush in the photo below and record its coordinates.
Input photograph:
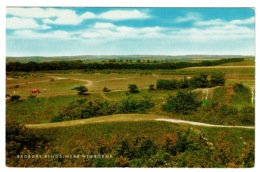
(240, 88)
(18, 137)
(105, 89)
(247, 115)
(81, 109)
(227, 110)
(131, 105)
(217, 79)
(16, 86)
(133, 88)
(183, 102)
(199, 81)
(81, 89)
(163, 84)
(15, 98)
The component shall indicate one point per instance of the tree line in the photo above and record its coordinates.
(79, 64)
(201, 80)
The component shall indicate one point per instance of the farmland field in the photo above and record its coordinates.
(102, 121)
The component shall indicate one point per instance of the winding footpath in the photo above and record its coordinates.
(128, 118)
(202, 124)
(89, 82)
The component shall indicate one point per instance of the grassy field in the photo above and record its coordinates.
(85, 134)
(58, 92)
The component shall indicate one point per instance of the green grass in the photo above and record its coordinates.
(219, 95)
(40, 110)
(243, 63)
(238, 71)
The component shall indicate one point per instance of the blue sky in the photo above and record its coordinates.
(121, 31)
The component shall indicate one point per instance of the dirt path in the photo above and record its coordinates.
(125, 118)
(202, 124)
(89, 82)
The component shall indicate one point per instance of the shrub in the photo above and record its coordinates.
(18, 137)
(16, 86)
(81, 109)
(105, 89)
(131, 105)
(183, 102)
(217, 79)
(15, 98)
(247, 115)
(240, 88)
(199, 81)
(133, 88)
(227, 110)
(163, 84)
(81, 89)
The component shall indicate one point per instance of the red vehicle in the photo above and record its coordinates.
(35, 91)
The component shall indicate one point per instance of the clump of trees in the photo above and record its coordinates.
(132, 105)
(182, 102)
(81, 109)
(201, 80)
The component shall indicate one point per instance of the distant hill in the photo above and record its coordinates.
(121, 57)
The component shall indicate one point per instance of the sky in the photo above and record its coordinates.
(36, 31)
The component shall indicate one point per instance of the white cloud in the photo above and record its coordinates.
(29, 34)
(216, 33)
(219, 22)
(64, 17)
(61, 16)
(88, 15)
(20, 23)
(210, 22)
(31, 12)
(104, 25)
(70, 17)
(123, 15)
(188, 17)
(244, 22)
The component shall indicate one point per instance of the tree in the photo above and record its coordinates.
(217, 79)
(133, 88)
(81, 89)
(199, 81)
(183, 102)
